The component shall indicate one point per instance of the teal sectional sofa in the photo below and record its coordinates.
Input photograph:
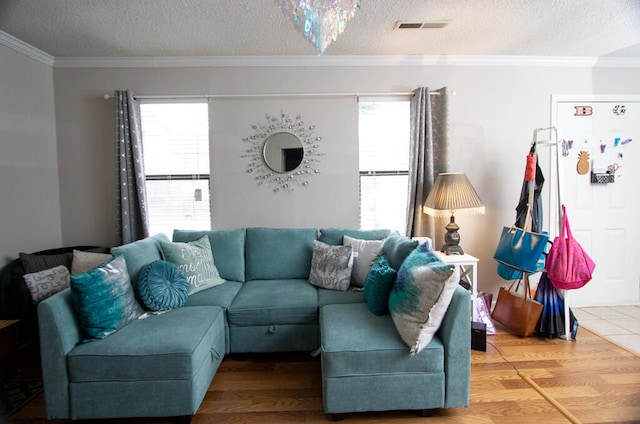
(162, 365)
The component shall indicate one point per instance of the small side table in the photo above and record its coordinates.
(468, 271)
(8, 347)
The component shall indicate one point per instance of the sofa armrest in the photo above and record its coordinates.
(455, 333)
(60, 332)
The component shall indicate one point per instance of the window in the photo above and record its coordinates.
(384, 164)
(175, 139)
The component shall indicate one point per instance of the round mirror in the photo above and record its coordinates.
(283, 152)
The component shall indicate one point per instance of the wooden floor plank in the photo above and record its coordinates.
(593, 380)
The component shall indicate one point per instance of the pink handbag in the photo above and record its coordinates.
(568, 265)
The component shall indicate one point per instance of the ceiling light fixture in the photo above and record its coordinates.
(321, 21)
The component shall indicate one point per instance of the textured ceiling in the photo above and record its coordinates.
(155, 28)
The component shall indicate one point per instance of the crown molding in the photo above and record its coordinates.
(26, 49)
(334, 61)
(337, 61)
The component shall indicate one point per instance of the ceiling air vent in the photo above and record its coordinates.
(420, 25)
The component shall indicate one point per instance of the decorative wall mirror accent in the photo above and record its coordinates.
(282, 152)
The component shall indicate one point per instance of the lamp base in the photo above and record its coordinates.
(452, 239)
(452, 250)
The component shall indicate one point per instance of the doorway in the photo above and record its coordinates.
(599, 174)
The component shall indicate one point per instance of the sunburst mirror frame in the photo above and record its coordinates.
(257, 164)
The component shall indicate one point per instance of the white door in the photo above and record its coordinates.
(602, 134)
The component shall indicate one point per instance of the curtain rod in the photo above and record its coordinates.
(265, 95)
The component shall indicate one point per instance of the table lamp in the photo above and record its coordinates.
(452, 193)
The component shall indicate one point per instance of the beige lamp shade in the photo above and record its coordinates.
(453, 194)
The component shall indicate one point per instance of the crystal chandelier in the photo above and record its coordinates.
(321, 21)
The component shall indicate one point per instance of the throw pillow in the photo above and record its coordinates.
(195, 260)
(334, 236)
(44, 284)
(429, 329)
(104, 300)
(84, 261)
(377, 286)
(418, 287)
(330, 266)
(365, 253)
(396, 248)
(163, 286)
(35, 263)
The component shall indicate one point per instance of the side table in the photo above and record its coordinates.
(468, 271)
(8, 347)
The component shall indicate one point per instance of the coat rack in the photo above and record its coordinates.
(555, 149)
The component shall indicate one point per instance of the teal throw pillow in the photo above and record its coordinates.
(330, 266)
(195, 260)
(423, 282)
(396, 248)
(377, 286)
(163, 286)
(103, 299)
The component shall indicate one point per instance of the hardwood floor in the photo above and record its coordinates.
(517, 380)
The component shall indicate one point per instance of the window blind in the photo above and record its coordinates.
(176, 159)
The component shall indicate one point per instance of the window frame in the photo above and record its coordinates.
(167, 177)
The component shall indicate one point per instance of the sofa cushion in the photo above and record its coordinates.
(227, 247)
(267, 249)
(329, 297)
(356, 342)
(420, 283)
(140, 253)
(331, 266)
(334, 236)
(377, 286)
(365, 253)
(396, 248)
(153, 348)
(162, 286)
(103, 299)
(270, 302)
(221, 295)
(46, 283)
(195, 260)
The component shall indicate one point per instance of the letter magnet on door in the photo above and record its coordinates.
(583, 111)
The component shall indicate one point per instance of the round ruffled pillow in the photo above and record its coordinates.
(162, 286)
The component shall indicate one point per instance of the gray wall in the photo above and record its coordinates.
(492, 118)
(29, 190)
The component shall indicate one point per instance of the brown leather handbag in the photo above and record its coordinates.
(518, 314)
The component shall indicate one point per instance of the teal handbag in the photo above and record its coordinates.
(520, 249)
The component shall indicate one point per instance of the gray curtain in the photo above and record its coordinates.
(428, 154)
(132, 217)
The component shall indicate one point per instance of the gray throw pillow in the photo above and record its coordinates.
(330, 266)
(365, 253)
(84, 261)
(46, 283)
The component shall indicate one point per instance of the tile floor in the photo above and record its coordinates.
(620, 324)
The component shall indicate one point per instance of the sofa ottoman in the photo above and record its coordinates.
(366, 366)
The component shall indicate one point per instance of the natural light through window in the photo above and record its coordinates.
(176, 159)
(384, 164)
